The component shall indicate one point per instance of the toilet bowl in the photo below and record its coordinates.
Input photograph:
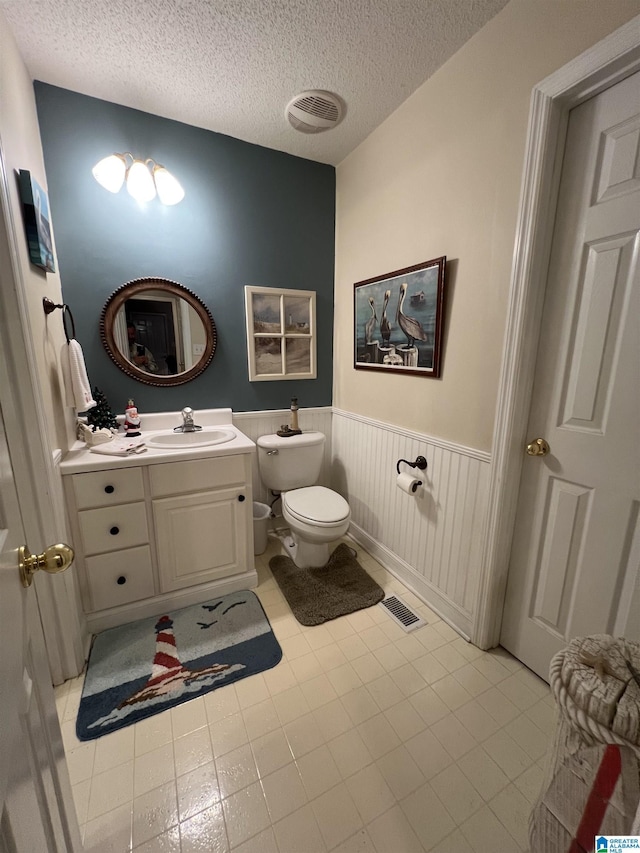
(316, 516)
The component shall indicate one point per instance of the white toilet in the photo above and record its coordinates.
(316, 516)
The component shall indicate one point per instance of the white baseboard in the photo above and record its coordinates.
(446, 609)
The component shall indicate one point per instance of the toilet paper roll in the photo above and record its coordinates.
(408, 484)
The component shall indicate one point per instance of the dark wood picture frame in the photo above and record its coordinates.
(398, 320)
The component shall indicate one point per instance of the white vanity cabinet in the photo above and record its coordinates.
(159, 535)
(200, 513)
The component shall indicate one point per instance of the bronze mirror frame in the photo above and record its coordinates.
(134, 288)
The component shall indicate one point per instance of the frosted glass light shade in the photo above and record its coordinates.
(169, 189)
(110, 172)
(139, 182)
(144, 178)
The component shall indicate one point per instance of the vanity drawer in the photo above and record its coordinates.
(175, 478)
(104, 488)
(113, 528)
(120, 577)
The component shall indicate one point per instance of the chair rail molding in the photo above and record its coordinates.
(434, 441)
(606, 63)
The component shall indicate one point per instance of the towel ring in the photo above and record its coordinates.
(50, 306)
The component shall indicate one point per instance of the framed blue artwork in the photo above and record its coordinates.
(37, 222)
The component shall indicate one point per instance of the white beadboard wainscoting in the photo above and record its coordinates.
(431, 541)
(255, 424)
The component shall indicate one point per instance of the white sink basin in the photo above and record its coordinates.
(202, 438)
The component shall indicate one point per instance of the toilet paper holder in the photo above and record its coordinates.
(420, 462)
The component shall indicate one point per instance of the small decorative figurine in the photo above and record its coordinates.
(131, 420)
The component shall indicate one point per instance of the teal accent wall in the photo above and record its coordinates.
(250, 216)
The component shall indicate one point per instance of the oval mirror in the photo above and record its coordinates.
(158, 331)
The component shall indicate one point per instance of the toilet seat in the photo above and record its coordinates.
(316, 505)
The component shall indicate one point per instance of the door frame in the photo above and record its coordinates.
(602, 66)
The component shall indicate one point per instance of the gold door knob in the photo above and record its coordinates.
(538, 447)
(54, 559)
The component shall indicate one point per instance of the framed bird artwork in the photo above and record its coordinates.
(398, 320)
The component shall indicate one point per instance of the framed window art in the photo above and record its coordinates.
(281, 333)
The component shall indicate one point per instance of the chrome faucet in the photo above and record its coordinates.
(187, 421)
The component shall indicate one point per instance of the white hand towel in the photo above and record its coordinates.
(120, 447)
(76, 382)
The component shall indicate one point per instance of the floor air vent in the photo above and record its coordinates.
(403, 615)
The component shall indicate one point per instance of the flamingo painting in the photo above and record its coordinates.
(413, 329)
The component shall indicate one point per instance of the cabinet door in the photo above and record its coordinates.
(200, 537)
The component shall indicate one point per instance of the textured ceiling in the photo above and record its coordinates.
(233, 65)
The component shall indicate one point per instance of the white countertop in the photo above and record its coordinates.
(81, 459)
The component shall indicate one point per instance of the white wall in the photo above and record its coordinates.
(441, 176)
(21, 148)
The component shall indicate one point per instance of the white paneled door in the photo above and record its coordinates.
(36, 810)
(37, 813)
(575, 558)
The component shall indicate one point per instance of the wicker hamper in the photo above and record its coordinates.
(592, 783)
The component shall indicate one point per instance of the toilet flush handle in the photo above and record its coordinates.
(272, 452)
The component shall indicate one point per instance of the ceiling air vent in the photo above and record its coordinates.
(314, 111)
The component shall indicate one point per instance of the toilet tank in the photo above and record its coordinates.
(290, 463)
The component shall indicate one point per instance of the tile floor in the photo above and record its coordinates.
(364, 739)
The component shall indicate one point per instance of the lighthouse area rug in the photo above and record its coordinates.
(139, 669)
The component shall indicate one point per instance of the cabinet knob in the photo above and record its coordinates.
(241, 498)
(114, 531)
(121, 580)
(109, 489)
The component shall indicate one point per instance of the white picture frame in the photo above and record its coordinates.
(281, 333)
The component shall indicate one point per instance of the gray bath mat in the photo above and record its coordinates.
(318, 595)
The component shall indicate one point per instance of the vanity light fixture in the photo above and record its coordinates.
(144, 178)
